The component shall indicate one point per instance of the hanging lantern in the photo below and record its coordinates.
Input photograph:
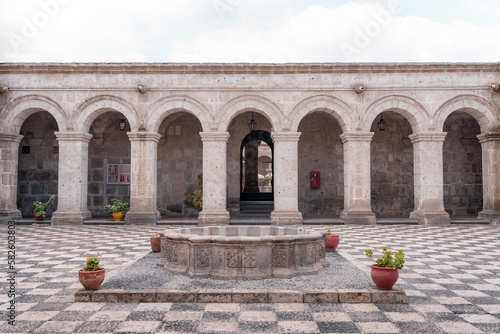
(252, 125)
(381, 124)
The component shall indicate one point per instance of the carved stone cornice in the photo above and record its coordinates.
(144, 136)
(285, 136)
(427, 136)
(11, 137)
(486, 137)
(242, 68)
(73, 136)
(214, 136)
(356, 136)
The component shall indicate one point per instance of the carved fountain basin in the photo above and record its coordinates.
(243, 252)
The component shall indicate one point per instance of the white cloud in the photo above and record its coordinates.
(245, 31)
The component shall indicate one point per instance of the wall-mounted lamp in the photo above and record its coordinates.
(252, 125)
(122, 124)
(381, 124)
(359, 89)
(141, 88)
(495, 87)
(3, 89)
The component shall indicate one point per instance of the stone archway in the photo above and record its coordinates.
(109, 160)
(392, 167)
(38, 162)
(462, 166)
(249, 176)
(252, 199)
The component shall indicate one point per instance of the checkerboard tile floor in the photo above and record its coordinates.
(451, 277)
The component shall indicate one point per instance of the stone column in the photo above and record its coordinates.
(72, 178)
(428, 178)
(357, 181)
(9, 158)
(286, 204)
(214, 179)
(143, 178)
(490, 143)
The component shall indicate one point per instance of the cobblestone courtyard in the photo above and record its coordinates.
(451, 278)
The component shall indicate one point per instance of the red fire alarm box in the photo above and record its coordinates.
(315, 180)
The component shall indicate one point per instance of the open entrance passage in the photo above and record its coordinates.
(256, 173)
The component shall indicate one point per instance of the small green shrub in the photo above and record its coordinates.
(41, 208)
(117, 206)
(196, 197)
(388, 260)
(92, 263)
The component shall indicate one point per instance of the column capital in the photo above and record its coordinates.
(73, 136)
(285, 136)
(490, 136)
(214, 136)
(11, 137)
(356, 136)
(144, 136)
(427, 136)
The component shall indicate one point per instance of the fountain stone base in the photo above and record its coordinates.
(242, 252)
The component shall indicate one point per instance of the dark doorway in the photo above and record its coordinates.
(257, 167)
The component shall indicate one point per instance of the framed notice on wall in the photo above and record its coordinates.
(118, 174)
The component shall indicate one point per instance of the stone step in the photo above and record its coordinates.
(333, 296)
(469, 220)
(396, 221)
(256, 197)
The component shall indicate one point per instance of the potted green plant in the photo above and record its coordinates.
(40, 208)
(155, 242)
(385, 273)
(196, 197)
(118, 209)
(92, 275)
(331, 241)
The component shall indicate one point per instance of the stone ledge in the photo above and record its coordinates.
(395, 296)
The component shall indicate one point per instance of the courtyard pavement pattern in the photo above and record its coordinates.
(451, 277)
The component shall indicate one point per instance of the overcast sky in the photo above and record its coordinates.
(249, 31)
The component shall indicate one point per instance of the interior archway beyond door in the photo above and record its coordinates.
(253, 193)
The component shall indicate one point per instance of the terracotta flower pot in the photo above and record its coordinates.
(384, 278)
(155, 244)
(331, 242)
(118, 216)
(39, 217)
(91, 280)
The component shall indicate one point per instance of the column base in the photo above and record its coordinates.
(358, 217)
(10, 215)
(291, 217)
(492, 216)
(213, 217)
(70, 218)
(141, 218)
(431, 218)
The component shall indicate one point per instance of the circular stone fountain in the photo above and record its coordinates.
(242, 252)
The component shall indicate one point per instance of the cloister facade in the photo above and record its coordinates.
(438, 156)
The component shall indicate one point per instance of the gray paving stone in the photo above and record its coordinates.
(427, 310)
